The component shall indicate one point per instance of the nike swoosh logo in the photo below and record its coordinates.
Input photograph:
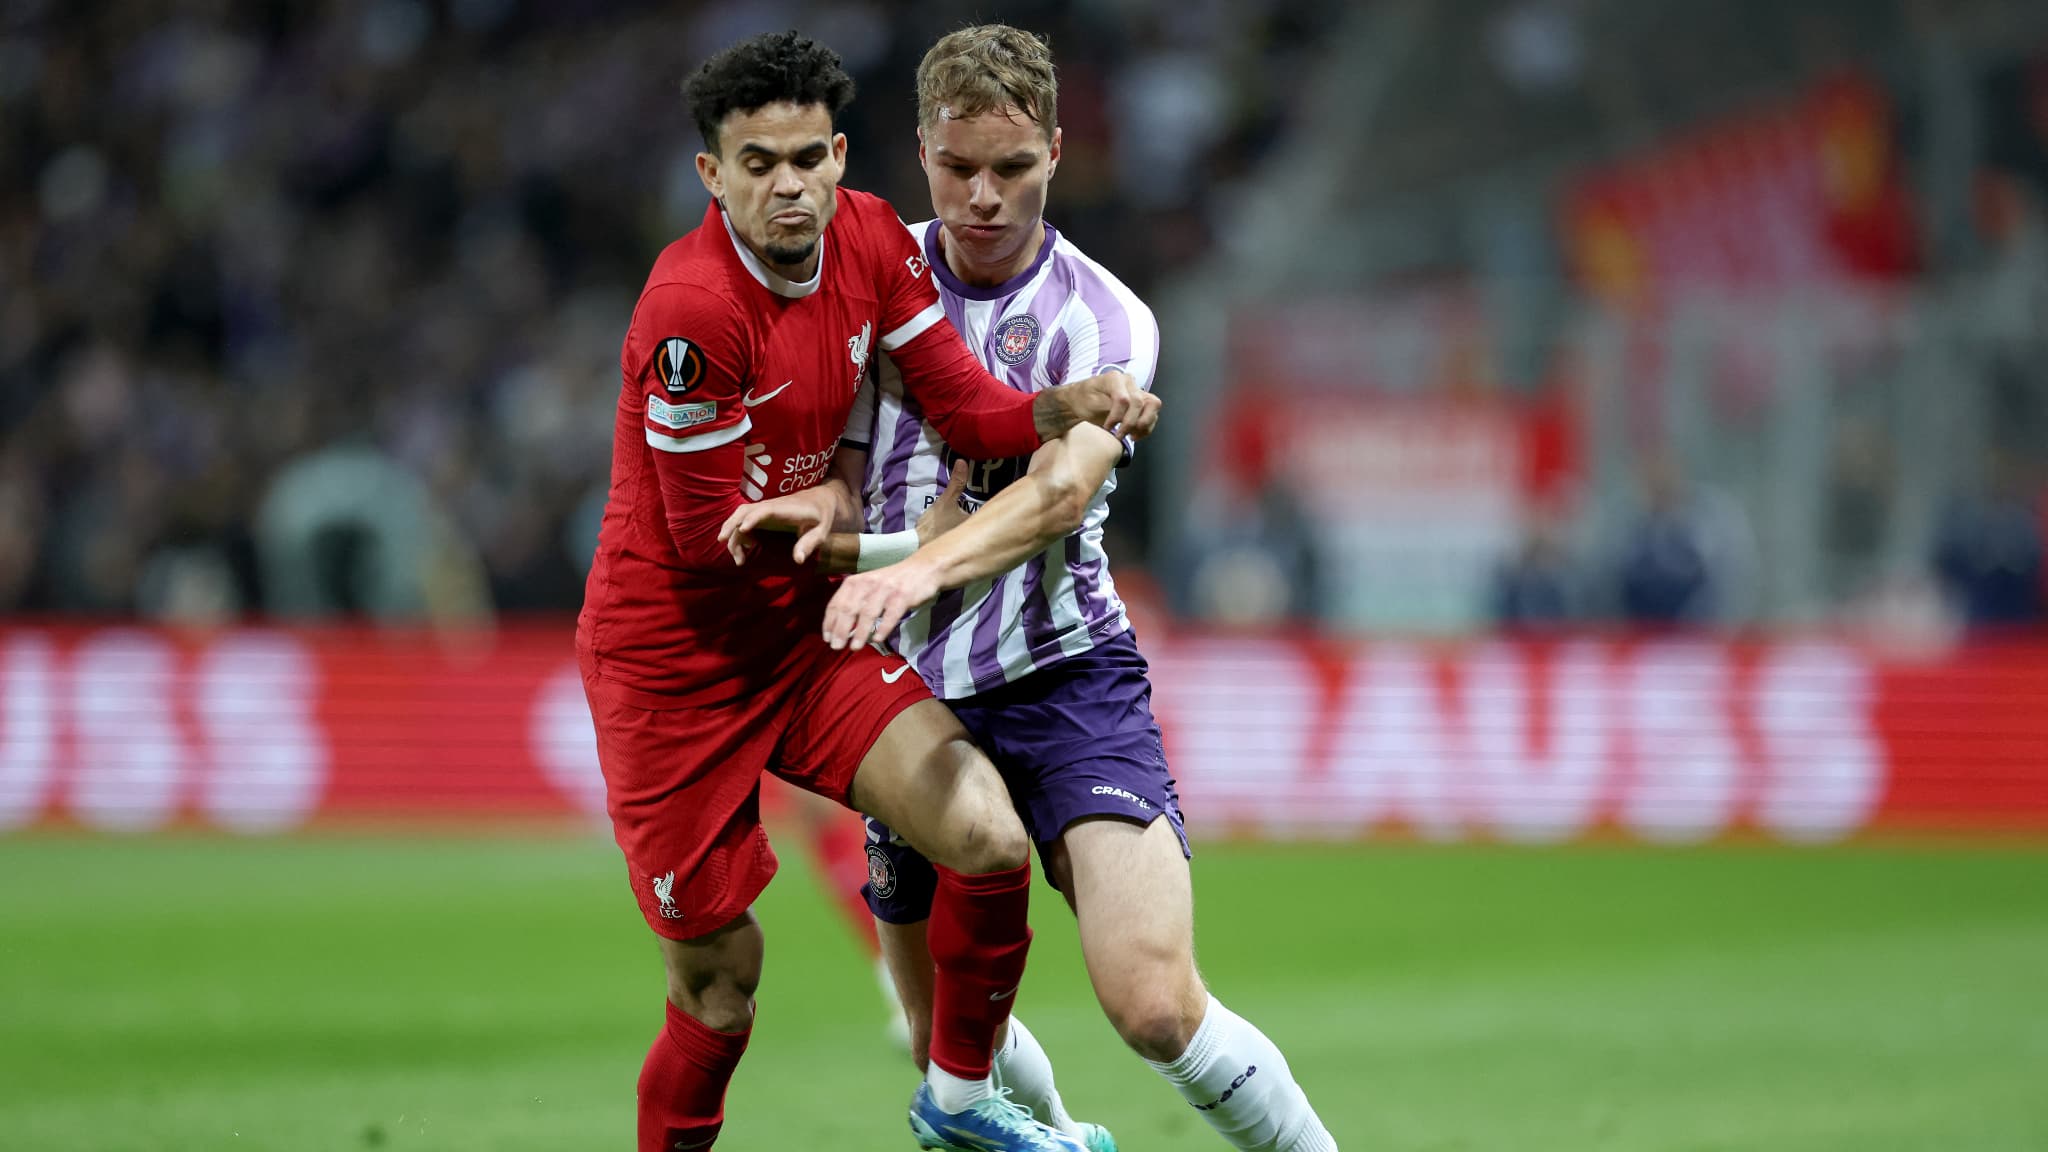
(749, 400)
(892, 677)
(972, 1140)
(993, 996)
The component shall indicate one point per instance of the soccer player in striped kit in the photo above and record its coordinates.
(738, 374)
(1010, 615)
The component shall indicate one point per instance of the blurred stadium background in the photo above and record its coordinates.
(1592, 563)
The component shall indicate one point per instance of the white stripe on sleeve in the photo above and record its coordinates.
(932, 314)
(702, 440)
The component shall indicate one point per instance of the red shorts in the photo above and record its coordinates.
(684, 784)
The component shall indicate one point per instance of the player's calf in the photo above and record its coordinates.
(1130, 888)
(1135, 903)
(907, 952)
(708, 1019)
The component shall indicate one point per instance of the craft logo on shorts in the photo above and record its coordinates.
(679, 364)
(1121, 794)
(664, 891)
(881, 872)
(1016, 337)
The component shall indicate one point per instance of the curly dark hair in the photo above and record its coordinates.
(766, 69)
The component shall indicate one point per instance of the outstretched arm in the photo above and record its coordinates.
(984, 419)
(852, 551)
(1047, 504)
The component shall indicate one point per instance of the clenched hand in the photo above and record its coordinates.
(808, 513)
(1111, 400)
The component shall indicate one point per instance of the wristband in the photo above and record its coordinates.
(881, 549)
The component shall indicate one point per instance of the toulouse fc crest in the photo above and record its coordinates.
(881, 872)
(1016, 337)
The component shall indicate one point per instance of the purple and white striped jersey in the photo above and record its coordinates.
(1065, 318)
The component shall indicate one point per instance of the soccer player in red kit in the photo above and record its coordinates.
(739, 372)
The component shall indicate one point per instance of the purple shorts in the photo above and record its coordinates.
(1073, 740)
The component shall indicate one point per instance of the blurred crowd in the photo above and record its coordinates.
(1864, 448)
(313, 308)
(1689, 561)
(1687, 558)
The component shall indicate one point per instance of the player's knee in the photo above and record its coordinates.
(1153, 1018)
(986, 836)
(724, 1013)
(1001, 845)
(714, 979)
(721, 1000)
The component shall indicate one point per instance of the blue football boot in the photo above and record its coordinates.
(1097, 1138)
(994, 1125)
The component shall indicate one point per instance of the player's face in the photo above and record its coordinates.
(777, 173)
(988, 175)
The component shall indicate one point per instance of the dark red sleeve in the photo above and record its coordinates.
(979, 416)
(686, 366)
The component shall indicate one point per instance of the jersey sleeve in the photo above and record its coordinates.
(910, 298)
(1121, 337)
(686, 366)
(976, 413)
(1118, 336)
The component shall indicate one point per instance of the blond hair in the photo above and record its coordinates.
(987, 68)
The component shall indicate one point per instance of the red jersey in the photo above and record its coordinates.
(736, 386)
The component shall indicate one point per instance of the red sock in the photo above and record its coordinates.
(979, 935)
(682, 1085)
(841, 846)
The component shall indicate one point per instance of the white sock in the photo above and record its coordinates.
(953, 1094)
(1023, 1067)
(1241, 1084)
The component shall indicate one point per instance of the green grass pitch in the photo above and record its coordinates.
(346, 994)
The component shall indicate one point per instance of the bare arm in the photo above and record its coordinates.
(841, 550)
(1049, 503)
(847, 551)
